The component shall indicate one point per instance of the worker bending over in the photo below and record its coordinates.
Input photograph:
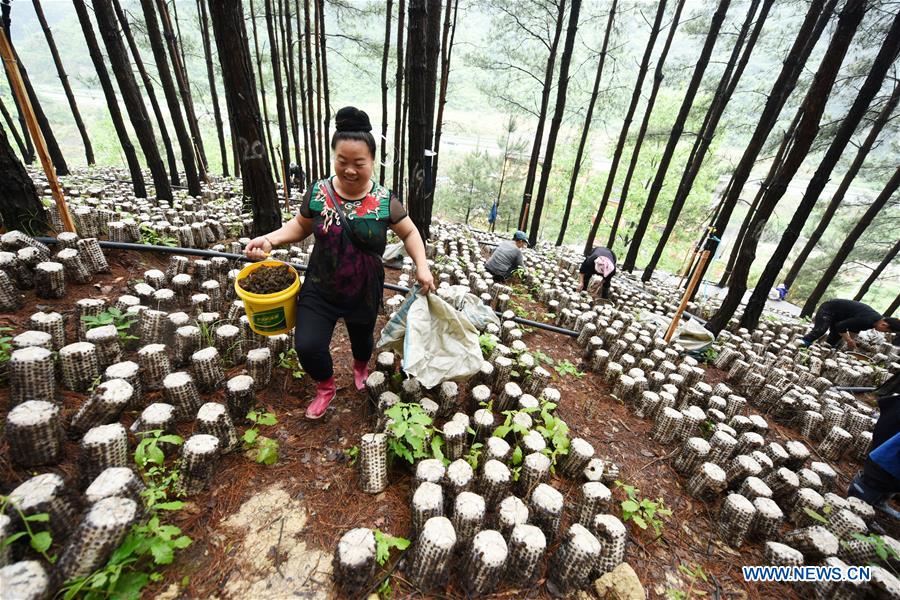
(843, 318)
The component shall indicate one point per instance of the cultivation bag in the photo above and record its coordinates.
(436, 342)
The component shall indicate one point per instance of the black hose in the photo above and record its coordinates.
(854, 389)
(298, 266)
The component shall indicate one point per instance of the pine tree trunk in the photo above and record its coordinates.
(658, 77)
(326, 100)
(262, 90)
(889, 312)
(629, 115)
(210, 74)
(28, 153)
(10, 124)
(291, 79)
(322, 142)
(887, 54)
(737, 62)
(807, 128)
(585, 129)
(131, 96)
(184, 87)
(531, 174)
(841, 192)
(302, 87)
(56, 155)
(418, 129)
(849, 242)
(404, 121)
(311, 120)
(817, 17)
(562, 89)
(398, 157)
(112, 102)
(385, 53)
(237, 76)
(877, 271)
(64, 79)
(786, 140)
(168, 86)
(432, 56)
(178, 38)
(283, 139)
(447, 37)
(677, 129)
(20, 206)
(151, 94)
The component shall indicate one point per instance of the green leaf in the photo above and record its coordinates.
(815, 516)
(156, 455)
(517, 456)
(162, 552)
(38, 518)
(630, 506)
(502, 431)
(12, 538)
(267, 419)
(399, 428)
(182, 542)
(171, 439)
(174, 505)
(140, 456)
(268, 452)
(41, 541)
(436, 444)
(250, 436)
(639, 521)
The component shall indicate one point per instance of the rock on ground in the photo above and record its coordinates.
(263, 518)
(622, 583)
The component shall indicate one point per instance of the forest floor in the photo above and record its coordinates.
(270, 531)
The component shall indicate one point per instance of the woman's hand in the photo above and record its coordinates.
(425, 279)
(258, 248)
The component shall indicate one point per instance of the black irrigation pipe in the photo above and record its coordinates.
(298, 266)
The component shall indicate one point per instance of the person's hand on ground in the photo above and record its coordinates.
(425, 279)
(852, 344)
(258, 248)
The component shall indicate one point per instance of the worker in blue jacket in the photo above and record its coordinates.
(880, 478)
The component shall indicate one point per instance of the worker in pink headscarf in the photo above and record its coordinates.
(601, 261)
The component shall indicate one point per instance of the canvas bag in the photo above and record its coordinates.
(436, 342)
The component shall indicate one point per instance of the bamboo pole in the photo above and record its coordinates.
(12, 67)
(687, 295)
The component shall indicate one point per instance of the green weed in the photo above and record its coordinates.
(643, 512)
(260, 448)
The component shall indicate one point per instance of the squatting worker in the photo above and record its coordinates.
(601, 261)
(345, 274)
(842, 318)
(507, 257)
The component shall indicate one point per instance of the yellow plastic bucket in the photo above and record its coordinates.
(269, 314)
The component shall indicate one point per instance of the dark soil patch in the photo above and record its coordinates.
(268, 280)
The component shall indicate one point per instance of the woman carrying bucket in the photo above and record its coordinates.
(349, 214)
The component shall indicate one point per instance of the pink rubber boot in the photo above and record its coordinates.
(325, 393)
(360, 373)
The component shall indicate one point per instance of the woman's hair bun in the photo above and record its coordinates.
(351, 118)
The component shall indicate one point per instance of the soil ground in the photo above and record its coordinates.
(269, 532)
